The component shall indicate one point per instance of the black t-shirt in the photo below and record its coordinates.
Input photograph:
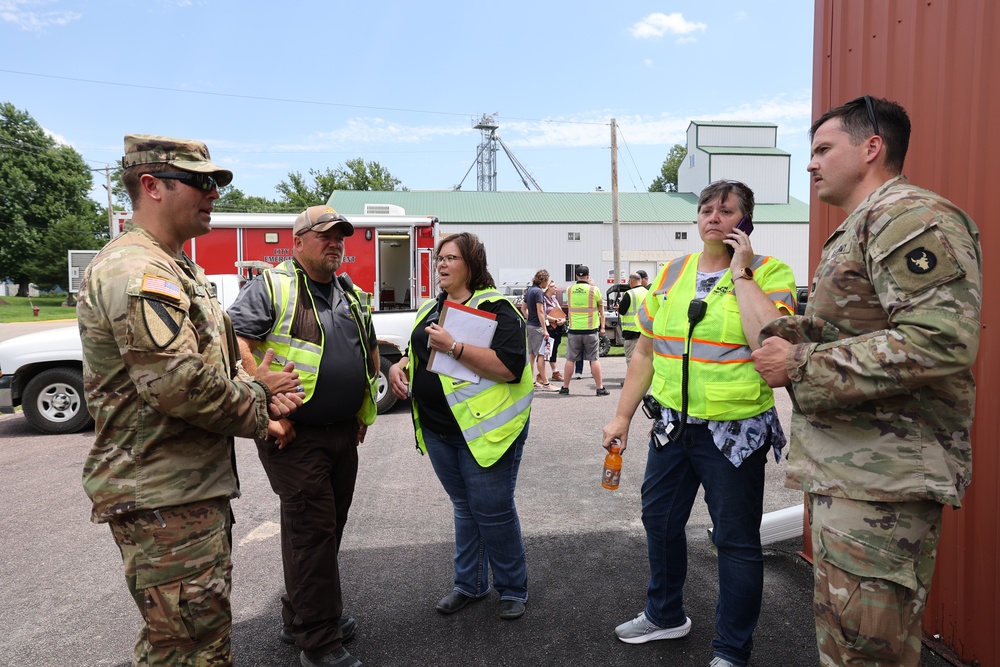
(508, 342)
(534, 296)
(341, 383)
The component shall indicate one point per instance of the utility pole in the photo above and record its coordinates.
(111, 213)
(615, 232)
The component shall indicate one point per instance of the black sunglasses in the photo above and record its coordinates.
(203, 182)
(870, 108)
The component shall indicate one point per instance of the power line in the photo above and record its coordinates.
(285, 100)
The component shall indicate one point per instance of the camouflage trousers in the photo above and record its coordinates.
(873, 563)
(179, 572)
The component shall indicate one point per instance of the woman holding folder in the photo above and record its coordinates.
(473, 423)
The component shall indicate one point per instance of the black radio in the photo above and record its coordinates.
(651, 407)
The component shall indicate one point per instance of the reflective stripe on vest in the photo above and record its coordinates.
(490, 414)
(629, 318)
(283, 283)
(723, 384)
(583, 316)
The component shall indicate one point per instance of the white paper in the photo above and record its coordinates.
(466, 326)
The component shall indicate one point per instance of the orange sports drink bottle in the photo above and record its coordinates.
(612, 467)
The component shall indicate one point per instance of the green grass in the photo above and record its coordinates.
(19, 309)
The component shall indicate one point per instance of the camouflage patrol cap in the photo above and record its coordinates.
(320, 219)
(186, 154)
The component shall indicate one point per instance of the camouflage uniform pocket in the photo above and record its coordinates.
(192, 610)
(184, 576)
(868, 590)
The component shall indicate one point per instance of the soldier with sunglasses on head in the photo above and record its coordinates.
(161, 372)
(879, 369)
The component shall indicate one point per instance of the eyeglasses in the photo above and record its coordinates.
(203, 182)
(870, 108)
(446, 259)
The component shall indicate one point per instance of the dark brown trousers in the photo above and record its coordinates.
(314, 477)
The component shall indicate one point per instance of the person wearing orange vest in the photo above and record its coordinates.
(715, 425)
(585, 313)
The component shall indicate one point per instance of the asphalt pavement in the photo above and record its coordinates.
(65, 601)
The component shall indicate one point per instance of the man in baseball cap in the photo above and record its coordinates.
(320, 219)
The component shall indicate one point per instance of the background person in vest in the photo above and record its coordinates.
(643, 278)
(730, 422)
(555, 321)
(158, 367)
(308, 314)
(879, 368)
(628, 311)
(586, 326)
(474, 433)
(538, 333)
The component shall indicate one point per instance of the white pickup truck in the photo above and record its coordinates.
(43, 372)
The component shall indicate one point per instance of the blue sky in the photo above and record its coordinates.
(280, 87)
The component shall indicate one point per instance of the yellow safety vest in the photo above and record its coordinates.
(722, 382)
(490, 414)
(581, 302)
(629, 318)
(284, 283)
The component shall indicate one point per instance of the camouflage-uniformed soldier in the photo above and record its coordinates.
(879, 371)
(157, 365)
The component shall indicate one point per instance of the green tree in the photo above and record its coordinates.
(44, 191)
(667, 180)
(234, 200)
(355, 174)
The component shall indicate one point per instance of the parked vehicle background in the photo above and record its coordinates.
(43, 372)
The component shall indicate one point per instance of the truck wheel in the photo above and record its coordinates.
(605, 346)
(54, 402)
(384, 398)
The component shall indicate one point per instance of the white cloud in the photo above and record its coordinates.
(19, 13)
(377, 130)
(659, 24)
(58, 138)
(648, 62)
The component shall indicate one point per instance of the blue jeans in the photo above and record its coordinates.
(487, 528)
(735, 498)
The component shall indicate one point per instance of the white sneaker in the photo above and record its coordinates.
(639, 630)
(720, 662)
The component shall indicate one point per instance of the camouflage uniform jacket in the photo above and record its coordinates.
(157, 365)
(881, 381)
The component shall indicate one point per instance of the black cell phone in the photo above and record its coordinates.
(745, 225)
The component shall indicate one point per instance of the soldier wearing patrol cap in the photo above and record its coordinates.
(308, 314)
(879, 369)
(160, 367)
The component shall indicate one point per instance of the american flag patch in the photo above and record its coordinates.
(158, 285)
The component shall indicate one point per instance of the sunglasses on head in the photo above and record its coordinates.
(203, 182)
(870, 108)
(326, 217)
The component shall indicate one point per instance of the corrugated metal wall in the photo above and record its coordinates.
(726, 135)
(941, 60)
(767, 175)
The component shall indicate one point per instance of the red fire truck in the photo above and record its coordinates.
(389, 255)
